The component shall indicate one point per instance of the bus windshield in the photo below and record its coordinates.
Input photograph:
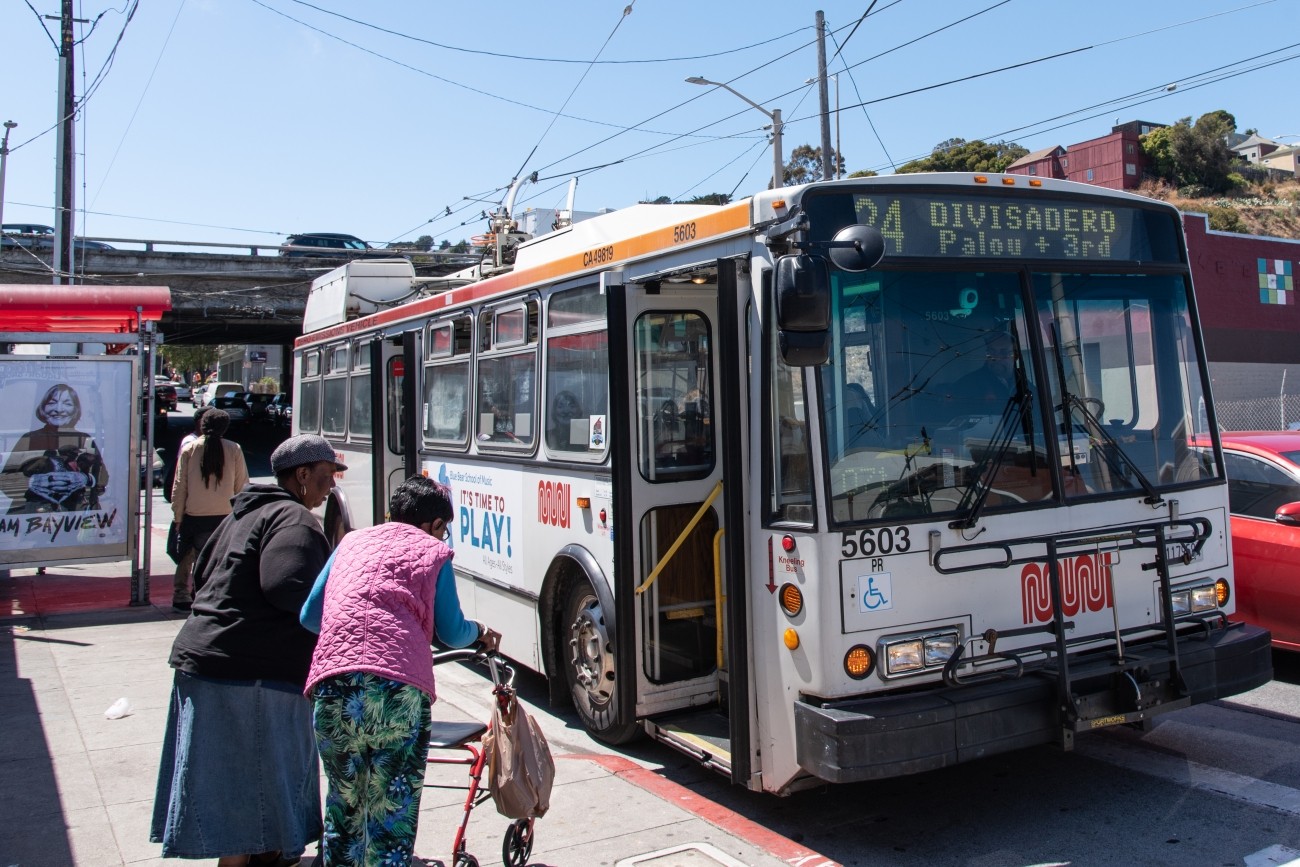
(950, 392)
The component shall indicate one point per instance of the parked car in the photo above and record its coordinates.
(280, 409)
(200, 395)
(333, 244)
(258, 404)
(1263, 470)
(223, 389)
(165, 394)
(183, 391)
(235, 407)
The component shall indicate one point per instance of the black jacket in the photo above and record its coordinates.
(250, 582)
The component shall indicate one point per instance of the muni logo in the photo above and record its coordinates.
(1085, 586)
(553, 503)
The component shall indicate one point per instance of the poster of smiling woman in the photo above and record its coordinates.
(65, 458)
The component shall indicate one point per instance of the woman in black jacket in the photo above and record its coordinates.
(239, 778)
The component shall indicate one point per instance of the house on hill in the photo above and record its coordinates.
(1045, 163)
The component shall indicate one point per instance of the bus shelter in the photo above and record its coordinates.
(76, 430)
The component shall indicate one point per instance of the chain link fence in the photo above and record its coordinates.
(1260, 413)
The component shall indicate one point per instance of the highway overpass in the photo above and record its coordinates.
(217, 297)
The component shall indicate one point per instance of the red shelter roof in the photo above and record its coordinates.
(44, 307)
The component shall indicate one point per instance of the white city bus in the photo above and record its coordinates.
(732, 477)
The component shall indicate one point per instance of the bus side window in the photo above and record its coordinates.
(792, 469)
(505, 399)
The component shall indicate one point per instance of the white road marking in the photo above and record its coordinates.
(1194, 775)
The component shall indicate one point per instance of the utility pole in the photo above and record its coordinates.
(824, 95)
(4, 158)
(66, 161)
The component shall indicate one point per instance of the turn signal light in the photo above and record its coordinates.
(584, 502)
(1222, 592)
(791, 639)
(858, 662)
(791, 599)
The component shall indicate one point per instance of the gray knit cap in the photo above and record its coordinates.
(303, 449)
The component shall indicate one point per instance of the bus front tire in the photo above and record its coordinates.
(589, 669)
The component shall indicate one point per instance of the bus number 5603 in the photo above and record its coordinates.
(870, 542)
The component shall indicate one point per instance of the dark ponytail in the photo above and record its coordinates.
(213, 424)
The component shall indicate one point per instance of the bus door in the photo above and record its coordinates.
(395, 455)
(673, 514)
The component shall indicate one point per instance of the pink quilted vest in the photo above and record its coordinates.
(378, 611)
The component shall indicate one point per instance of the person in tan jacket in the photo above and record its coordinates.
(209, 472)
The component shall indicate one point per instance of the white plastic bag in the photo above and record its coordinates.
(118, 709)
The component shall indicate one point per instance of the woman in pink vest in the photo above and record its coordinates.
(377, 603)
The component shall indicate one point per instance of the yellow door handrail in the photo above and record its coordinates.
(681, 538)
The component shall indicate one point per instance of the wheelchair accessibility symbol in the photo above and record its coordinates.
(875, 592)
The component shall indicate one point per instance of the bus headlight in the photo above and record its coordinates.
(1193, 600)
(918, 653)
(904, 656)
(939, 649)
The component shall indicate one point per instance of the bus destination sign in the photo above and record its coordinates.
(1002, 227)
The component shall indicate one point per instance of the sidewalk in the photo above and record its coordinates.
(77, 788)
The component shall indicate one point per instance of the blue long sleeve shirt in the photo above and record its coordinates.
(449, 622)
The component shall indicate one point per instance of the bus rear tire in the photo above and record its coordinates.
(589, 667)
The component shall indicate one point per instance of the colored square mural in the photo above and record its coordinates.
(1276, 283)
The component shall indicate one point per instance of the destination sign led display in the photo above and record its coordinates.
(1001, 227)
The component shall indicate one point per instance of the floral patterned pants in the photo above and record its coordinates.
(373, 738)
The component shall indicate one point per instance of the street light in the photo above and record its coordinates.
(778, 167)
(838, 160)
(4, 153)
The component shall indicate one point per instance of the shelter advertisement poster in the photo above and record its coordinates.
(65, 458)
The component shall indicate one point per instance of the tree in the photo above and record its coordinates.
(1158, 148)
(709, 199)
(805, 165)
(1194, 155)
(959, 155)
(422, 243)
(662, 200)
(864, 173)
(190, 359)
(1201, 151)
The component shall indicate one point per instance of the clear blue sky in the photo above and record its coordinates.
(226, 120)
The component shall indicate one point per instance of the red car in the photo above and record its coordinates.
(1264, 495)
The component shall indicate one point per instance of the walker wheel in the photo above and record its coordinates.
(464, 859)
(518, 843)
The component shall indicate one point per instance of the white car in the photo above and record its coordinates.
(200, 396)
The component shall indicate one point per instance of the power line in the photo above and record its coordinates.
(506, 56)
(448, 81)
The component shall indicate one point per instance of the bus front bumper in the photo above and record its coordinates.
(876, 738)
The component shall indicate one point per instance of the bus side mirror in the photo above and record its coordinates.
(803, 309)
(857, 248)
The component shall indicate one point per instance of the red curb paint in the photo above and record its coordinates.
(715, 814)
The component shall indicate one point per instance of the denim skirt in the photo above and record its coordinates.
(239, 772)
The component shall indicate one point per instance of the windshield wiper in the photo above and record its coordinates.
(1094, 427)
(976, 494)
